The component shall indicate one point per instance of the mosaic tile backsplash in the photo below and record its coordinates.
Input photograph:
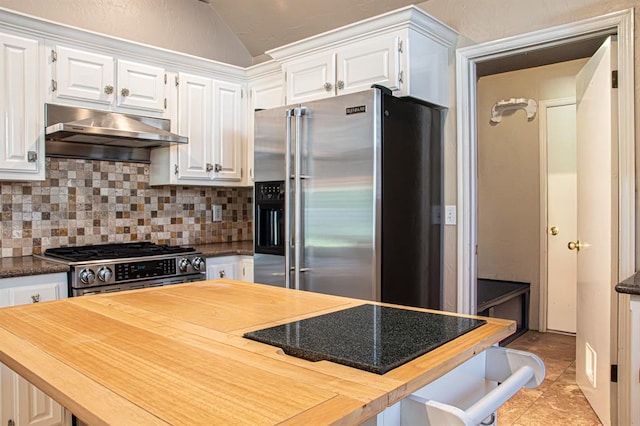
(93, 202)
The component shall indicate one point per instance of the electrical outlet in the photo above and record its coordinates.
(450, 215)
(217, 212)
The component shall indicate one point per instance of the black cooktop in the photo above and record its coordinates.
(369, 337)
(114, 251)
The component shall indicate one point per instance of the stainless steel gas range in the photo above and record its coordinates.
(127, 266)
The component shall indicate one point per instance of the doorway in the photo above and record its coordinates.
(468, 60)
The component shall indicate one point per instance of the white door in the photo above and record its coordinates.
(597, 228)
(195, 120)
(141, 86)
(227, 130)
(374, 61)
(20, 125)
(84, 76)
(311, 78)
(560, 136)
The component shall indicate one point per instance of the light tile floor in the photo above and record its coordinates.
(558, 400)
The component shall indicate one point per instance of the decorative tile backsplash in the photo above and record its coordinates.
(92, 202)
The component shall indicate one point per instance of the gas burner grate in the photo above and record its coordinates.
(114, 251)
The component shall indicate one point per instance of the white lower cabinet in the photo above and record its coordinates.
(233, 267)
(22, 403)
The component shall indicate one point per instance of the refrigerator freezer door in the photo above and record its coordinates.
(340, 181)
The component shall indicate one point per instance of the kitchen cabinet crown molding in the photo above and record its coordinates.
(410, 17)
(263, 69)
(61, 33)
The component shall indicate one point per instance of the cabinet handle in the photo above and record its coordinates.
(108, 89)
(222, 273)
(209, 167)
(217, 168)
(340, 84)
(328, 86)
(125, 92)
(35, 298)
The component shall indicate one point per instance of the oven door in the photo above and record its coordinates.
(137, 285)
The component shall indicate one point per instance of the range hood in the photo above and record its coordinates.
(72, 132)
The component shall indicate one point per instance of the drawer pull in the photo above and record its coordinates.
(35, 298)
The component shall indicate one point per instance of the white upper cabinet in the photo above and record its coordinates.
(82, 76)
(95, 80)
(21, 109)
(210, 112)
(311, 78)
(228, 130)
(405, 50)
(141, 86)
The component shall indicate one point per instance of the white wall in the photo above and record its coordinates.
(485, 20)
(187, 26)
(509, 175)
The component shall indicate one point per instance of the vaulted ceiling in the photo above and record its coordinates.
(266, 24)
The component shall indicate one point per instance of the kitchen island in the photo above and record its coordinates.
(177, 355)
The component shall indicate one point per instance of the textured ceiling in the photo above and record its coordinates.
(266, 24)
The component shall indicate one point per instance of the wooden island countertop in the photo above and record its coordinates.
(176, 355)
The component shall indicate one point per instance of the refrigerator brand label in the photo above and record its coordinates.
(356, 109)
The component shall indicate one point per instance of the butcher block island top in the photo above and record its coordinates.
(176, 355)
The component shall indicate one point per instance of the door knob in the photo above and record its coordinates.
(574, 246)
(554, 230)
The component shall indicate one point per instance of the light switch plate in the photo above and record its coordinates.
(450, 215)
(217, 212)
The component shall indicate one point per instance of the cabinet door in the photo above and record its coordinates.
(141, 86)
(222, 267)
(22, 402)
(195, 119)
(373, 61)
(311, 78)
(228, 131)
(246, 266)
(84, 76)
(20, 108)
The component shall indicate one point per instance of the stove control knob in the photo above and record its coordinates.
(87, 276)
(184, 265)
(198, 263)
(104, 274)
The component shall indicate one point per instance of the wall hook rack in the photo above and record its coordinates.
(500, 107)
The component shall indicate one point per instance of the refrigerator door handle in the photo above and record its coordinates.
(287, 203)
(297, 200)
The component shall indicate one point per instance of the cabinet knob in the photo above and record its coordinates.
(222, 273)
(125, 92)
(209, 167)
(32, 156)
(328, 86)
(35, 298)
(218, 168)
(108, 89)
(340, 84)
(11, 423)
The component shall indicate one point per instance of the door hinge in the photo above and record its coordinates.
(476, 249)
(54, 55)
(241, 172)
(165, 103)
(614, 373)
(177, 80)
(400, 46)
(165, 78)
(614, 79)
(241, 93)
(175, 169)
(401, 77)
(54, 85)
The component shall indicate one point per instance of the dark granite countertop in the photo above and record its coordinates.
(631, 285)
(29, 265)
(243, 248)
(369, 337)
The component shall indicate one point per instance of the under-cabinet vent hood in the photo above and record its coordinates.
(72, 132)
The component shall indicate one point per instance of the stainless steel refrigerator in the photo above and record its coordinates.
(347, 198)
